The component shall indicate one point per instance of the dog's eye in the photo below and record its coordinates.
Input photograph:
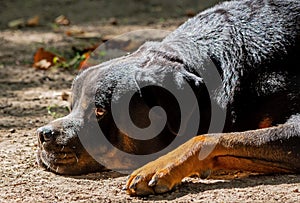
(100, 112)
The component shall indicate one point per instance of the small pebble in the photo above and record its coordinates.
(12, 130)
(113, 21)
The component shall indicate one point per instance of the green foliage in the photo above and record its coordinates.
(57, 111)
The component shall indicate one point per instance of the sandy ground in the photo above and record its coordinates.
(25, 95)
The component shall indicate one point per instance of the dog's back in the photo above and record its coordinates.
(255, 47)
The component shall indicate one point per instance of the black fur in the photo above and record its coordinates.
(254, 45)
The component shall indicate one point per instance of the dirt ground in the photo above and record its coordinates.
(26, 94)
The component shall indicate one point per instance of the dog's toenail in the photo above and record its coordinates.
(153, 182)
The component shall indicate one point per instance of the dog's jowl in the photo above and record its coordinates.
(254, 47)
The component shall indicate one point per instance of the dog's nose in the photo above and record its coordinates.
(46, 133)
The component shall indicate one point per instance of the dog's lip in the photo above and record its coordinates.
(65, 158)
(52, 159)
(58, 149)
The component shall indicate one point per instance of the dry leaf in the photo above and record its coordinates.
(34, 21)
(45, 59)
(81, 34)
(84, 55)
(42, 64)
(88, 35)
(62, 20)
(74, 31)
(85, 63)
(17, 23)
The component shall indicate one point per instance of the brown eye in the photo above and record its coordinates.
(100, 112)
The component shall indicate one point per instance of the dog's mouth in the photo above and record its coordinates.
(66, 160)
(57, 161)
(59, 158)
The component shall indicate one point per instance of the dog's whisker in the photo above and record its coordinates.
(138, 87)
(76, 158)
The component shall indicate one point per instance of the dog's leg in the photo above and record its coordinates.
(269, 150)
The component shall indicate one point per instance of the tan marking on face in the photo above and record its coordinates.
(100, 111)
(265, 122)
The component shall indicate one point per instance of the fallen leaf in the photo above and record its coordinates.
(34, 21)
(17, 23)
(45, 59)
(42, 64)
(74, 31)
(81, 34)
(88, 35)
(85, 63)
(62, 20)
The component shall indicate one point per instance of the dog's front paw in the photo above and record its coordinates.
(153, 178)
(163, 174)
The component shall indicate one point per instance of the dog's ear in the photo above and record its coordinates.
(174, 89)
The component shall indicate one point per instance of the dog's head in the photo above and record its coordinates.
(116, 99)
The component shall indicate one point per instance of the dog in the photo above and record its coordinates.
(254, 47)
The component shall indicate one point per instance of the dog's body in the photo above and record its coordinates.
(254, 45)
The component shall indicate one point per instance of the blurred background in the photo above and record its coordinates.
(114, 11)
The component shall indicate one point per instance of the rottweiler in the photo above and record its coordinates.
(254, 48)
